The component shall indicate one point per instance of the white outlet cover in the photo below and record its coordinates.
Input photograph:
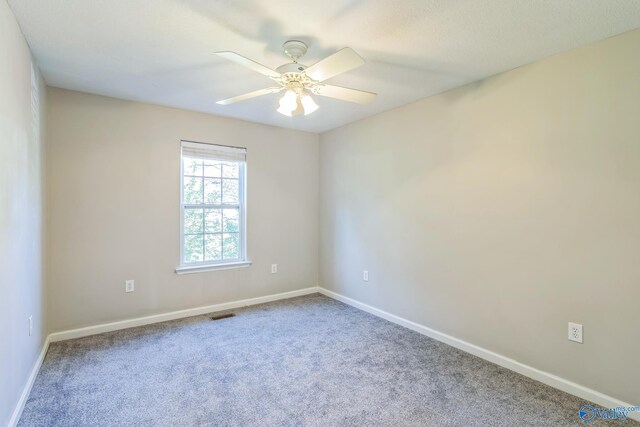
(365, 275)
(129, 286)
(575, 332)
(274, 268)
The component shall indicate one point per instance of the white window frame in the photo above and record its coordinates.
(222, 264)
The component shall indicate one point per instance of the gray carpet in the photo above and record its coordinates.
(303, 361)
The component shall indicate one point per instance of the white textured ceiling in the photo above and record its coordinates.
(161, 51)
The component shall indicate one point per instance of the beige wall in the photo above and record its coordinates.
(21, 219)
(113, 178)
(500, 211)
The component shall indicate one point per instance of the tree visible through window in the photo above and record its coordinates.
(212, 207)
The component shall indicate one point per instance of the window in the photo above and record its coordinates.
(212, 209)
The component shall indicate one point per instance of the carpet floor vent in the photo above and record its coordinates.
(222, 316)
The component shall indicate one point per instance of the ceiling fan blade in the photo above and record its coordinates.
(343, 60)
(344, 93)
(250, 95)
(239, 59)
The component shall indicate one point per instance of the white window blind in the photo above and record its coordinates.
(213, 151)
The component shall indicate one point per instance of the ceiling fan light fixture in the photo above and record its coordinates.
(308, 104)
(299, 111)
(296, 103)
(288, 103)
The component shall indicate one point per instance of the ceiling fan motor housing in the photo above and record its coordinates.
(293, 67)
(292, 77)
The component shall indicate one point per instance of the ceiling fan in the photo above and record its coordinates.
(298, 80)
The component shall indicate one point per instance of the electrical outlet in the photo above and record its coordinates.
(575, 332)
(365, 275)
(30, 325)
(129, 286)
(274, 268)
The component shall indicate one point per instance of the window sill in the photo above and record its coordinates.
(211, 267)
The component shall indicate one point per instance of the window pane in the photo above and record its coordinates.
(230, 170)
(231, 220)
(212, 169)
(213, 221)
(230, 193)
(192, 166)
(212, 191)
(193, 248)
(230, 245)
(193, 220)
(192, 191)
(213, 247)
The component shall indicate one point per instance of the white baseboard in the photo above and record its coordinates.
(17, 412)
(156, 318)
(528, 371)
